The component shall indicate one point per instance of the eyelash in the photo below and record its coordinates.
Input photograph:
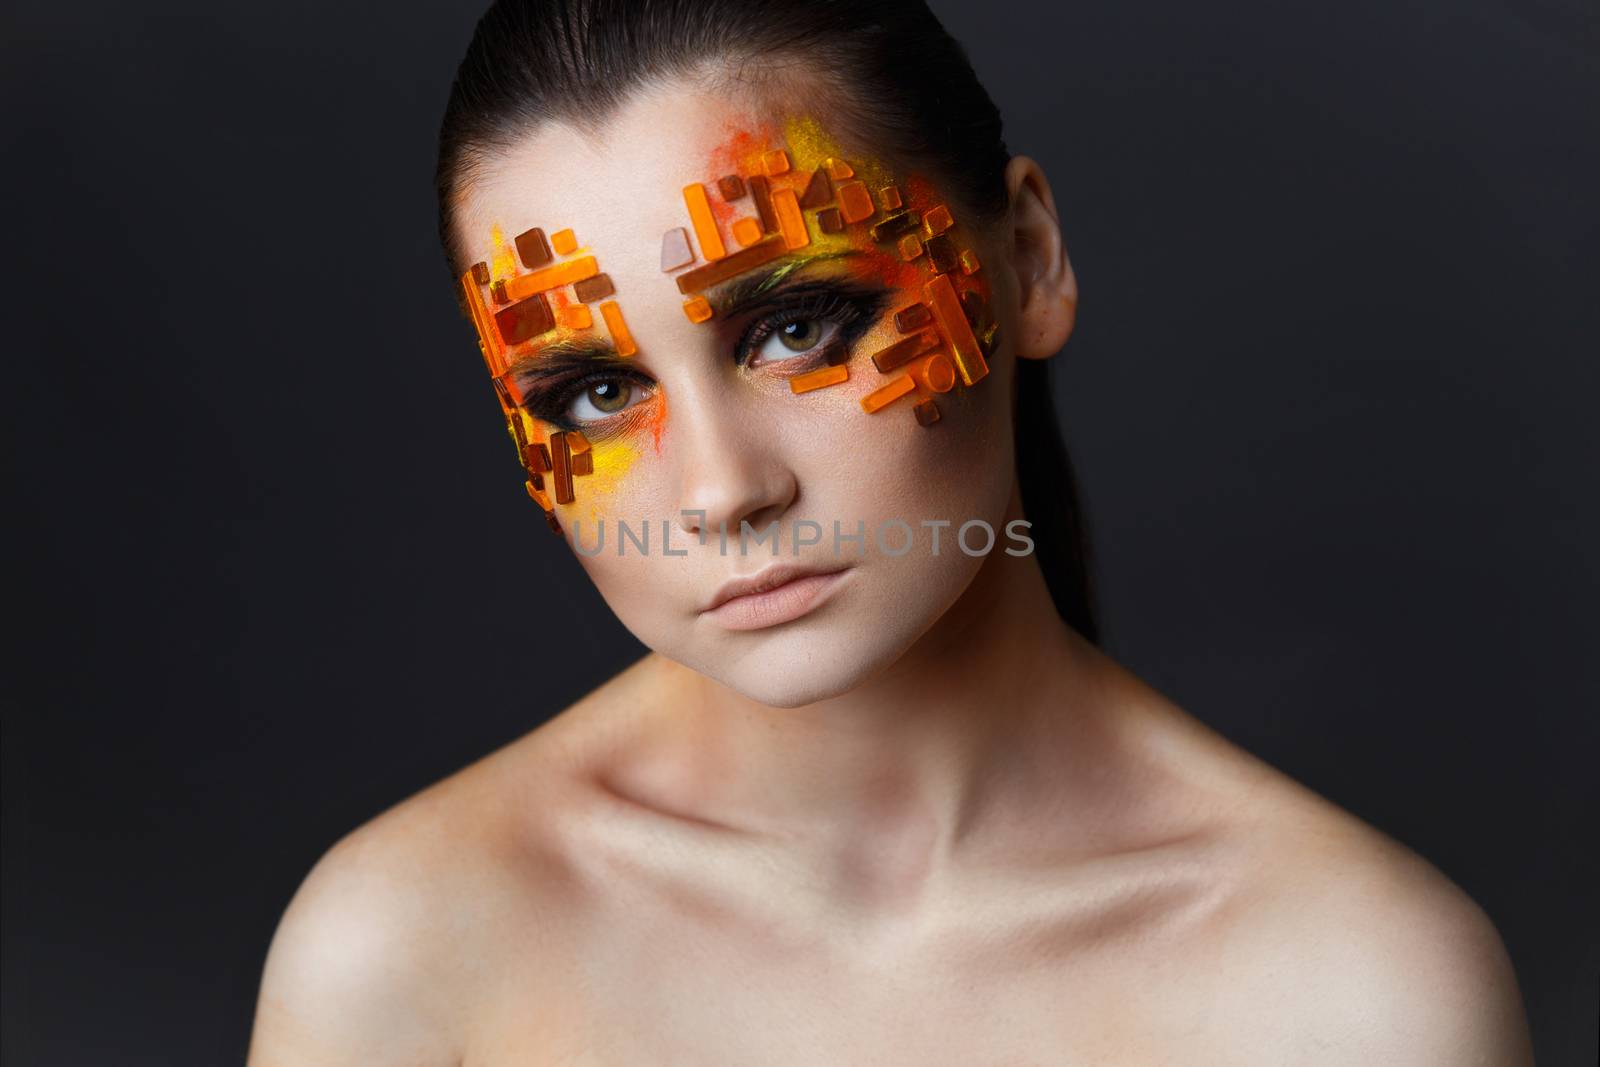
(852, 309)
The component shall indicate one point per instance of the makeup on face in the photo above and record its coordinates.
(814, 249)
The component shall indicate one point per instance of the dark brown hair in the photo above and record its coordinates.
(893, 78)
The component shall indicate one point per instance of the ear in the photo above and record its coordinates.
(1046, 287)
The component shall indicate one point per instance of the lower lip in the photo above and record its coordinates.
(787, 602)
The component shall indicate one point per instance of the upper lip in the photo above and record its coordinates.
(770, 578)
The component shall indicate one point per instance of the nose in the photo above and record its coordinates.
(732, 468)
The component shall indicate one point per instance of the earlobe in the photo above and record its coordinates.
(1047, 288)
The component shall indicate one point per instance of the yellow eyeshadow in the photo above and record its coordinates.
(503, 260)
(612, 461)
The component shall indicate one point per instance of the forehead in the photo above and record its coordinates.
(622, 187)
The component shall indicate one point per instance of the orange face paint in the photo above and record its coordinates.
(767, 192)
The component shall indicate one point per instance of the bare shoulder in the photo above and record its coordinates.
(401, 927)
(1329, 942)
(1358, 949)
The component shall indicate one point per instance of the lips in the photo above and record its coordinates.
(765, 581)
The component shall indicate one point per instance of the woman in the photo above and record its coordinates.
(765, 301)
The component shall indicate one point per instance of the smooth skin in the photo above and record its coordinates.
(973, 840)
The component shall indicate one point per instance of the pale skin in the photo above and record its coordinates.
(925, 824)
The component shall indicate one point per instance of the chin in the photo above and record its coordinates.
(800, 663)
(788, 685)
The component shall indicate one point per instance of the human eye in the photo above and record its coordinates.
(601, 398)
(589, 401)
(808, 327)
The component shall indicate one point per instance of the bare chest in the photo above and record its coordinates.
(663, 990)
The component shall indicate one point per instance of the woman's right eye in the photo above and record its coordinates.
(602, 398)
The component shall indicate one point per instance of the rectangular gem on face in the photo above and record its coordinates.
(620, 337)
(746, 231)
(537, 457)
(561, 467)
(791, 221)
(698, 309)
(525, 319)
(507, 392)
(533, 249)
(591, 289)
(941, 296)
(855, 201)
(580, 455)
(704, 222)
(942, 253)
(574, 317)
(905, 350)
(761, 193)
(912, 317)
(885, 395)
(900, 223)
(819, 378)
(746, 258)
(573, 270)
(489, 343)
(927, 412)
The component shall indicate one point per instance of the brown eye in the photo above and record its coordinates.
(800, 335)
(790, 340)
(609, 396)
(604, 397)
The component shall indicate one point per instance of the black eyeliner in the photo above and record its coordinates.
(548, 392)
(854, 307)
(550, 383)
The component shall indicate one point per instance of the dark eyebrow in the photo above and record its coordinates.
(737, 294)
(730, 298)
(567, 353)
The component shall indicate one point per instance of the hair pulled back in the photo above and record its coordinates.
(892, 77)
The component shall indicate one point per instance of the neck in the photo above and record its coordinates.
(889, 778)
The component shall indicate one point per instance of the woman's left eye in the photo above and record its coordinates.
(602, 398)
(797, 337)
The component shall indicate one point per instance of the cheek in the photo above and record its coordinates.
(618, 480)
(613, 460)
(959, 469)
(868, 445)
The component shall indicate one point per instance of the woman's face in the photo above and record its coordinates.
(687, 345)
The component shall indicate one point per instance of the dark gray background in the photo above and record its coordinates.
(1330, 394)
